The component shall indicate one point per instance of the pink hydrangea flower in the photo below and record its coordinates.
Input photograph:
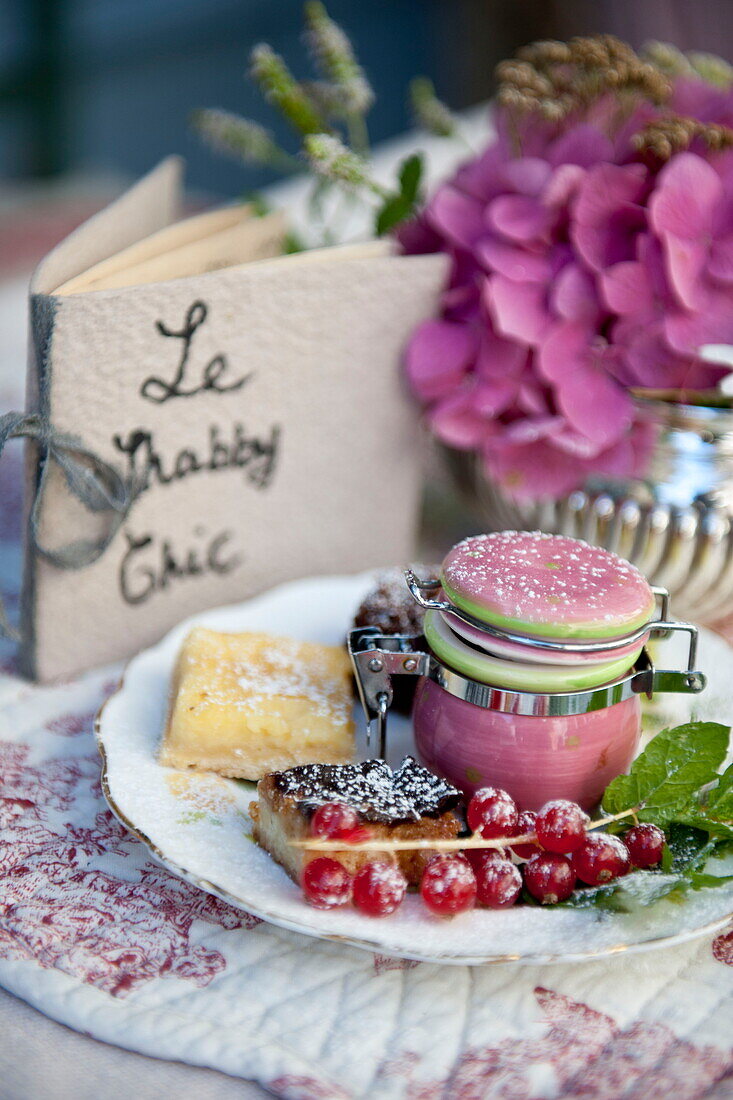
(579, 271)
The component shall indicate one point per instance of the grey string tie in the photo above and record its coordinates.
(94, 482)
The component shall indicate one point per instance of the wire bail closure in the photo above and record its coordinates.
(377, 657)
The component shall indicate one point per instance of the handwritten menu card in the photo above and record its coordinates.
(258, 409)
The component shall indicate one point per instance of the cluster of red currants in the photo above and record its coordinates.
(561, 853)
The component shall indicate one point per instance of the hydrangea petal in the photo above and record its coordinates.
(575, 443)
(591, 401)
(455, 421)
(458, 217)
(687, 331)
(492, 398)
(720, 264)
(608, 216)
(626, 290)
(594, 405)
(574, 296)
(656, 366)
(516, 263)
(519, 218)
(499, 358)
(686, 263)
(563, 351)
(610, 241)
(686, 197)
(526, 175)
(533, 429)
(483, 178)
(563, 186)
(519, 310)
(531, 398)
(584, 145)
(437, 357)
(535, 471)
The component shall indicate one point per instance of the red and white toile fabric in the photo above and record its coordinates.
(96, 935)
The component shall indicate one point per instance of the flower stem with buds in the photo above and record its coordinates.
(330, 158)
(241, 138)
(279, 87)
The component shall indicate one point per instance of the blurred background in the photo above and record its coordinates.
(94, 92)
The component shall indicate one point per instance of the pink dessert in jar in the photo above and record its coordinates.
(548, 725)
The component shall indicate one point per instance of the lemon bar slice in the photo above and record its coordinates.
(247, 704)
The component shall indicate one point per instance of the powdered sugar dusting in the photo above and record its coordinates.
(261, 675)
(283, 673)
(549, 580)
(371, 788)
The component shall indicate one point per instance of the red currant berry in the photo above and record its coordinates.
(526, 823)
(359, 835)
(549, 877)
(492, 813)
(448, 885)
(379, 888)
(602, 858)
(479, 857)
(645, 844)
(498, 884)
(561, 826)
(334, 821)
(326, 883)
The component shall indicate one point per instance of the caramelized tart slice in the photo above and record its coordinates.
(409, 803)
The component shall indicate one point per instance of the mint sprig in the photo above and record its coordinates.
(664, 781)
(674, 784)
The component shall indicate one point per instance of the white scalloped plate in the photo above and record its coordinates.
(198, 825)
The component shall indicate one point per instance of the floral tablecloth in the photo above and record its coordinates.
(96, 935)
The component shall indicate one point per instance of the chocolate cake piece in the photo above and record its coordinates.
(408, 803)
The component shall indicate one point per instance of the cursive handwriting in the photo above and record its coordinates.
(149, 566)
(158, 390)
(256, 456)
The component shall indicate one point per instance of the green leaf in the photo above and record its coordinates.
(410, 177)
(399, 207)
(699, 881)
(686, 855)
(687, 849)
(714, 809)
(626, 895)
(665, 778)
(720, 799)
(720, 830)
(393, 211)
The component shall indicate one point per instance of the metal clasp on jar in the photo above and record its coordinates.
(377, 657)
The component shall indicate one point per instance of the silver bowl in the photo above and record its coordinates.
(675, 522)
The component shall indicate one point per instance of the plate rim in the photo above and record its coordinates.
(362, 943)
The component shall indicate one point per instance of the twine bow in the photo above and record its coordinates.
(94, 482)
